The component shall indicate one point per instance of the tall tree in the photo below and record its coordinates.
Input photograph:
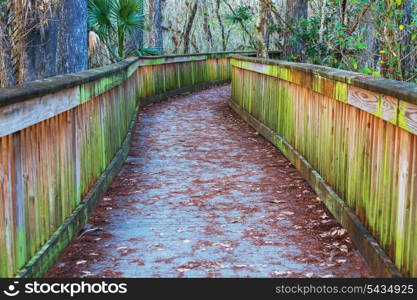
(295, 10)
(8, 57)
(265, 7)
(408, 51)
(220, 20)
(240, 16)
(189, 25)
(206, 25)
(42, 40)
(113, 20)
(368, 59)
(156, 35)
(72, 53)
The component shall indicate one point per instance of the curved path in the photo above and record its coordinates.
(203, 195)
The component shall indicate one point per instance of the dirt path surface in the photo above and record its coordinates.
(203, 195)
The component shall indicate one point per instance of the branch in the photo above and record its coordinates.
(242, 25)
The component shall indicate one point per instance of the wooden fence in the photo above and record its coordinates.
(62, 141)
(354, 139)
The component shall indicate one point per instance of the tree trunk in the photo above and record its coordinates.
(53, 44)
(409, 61)
(368, 58)
(206, 26)
(219, 19)
(136, 39)
(295, 10)
(243, 26)
(15, 29)
(189, 26)
(322, 19)
(72, 47)
(41, 51)
(7, 72)
(262, 31)
(156, 35)
(194, 44)
(343, 12)
(60, 47)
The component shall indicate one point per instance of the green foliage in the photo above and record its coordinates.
(397, 37)
(274, 28)
(150, 51)
(113, 19)
(241, 15)
(369, 71)
(3, 5)
(329, 40)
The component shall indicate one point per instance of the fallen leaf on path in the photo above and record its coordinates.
(277, 201)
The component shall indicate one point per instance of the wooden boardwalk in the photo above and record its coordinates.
(203, 195)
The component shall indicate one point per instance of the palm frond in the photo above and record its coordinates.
(151, 51)
(99, 17)
(112, 19)
(128, 13)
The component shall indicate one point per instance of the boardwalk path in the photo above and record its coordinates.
(202, 195)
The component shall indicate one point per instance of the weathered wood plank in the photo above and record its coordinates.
(363, 99)
(8, 205)
(407, 118)
(380, 263)
(55, 147)
(362, 142)
(18, 116)
(18, 201)
(4, 269)
(384, 107)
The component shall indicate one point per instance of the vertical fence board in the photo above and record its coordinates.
(361, 142)
(48, 167)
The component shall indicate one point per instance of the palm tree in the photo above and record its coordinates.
(111, 20)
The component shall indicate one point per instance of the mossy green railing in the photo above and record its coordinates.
(64, 138)
(354, 139)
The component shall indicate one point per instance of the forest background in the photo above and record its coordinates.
(42, 38)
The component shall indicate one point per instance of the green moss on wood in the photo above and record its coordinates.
(402, 118)
(341, 91)
(96, 88)
(100, 124)
(355, 151)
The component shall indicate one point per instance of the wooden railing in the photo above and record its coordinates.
(354, 139)
(64, 138)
